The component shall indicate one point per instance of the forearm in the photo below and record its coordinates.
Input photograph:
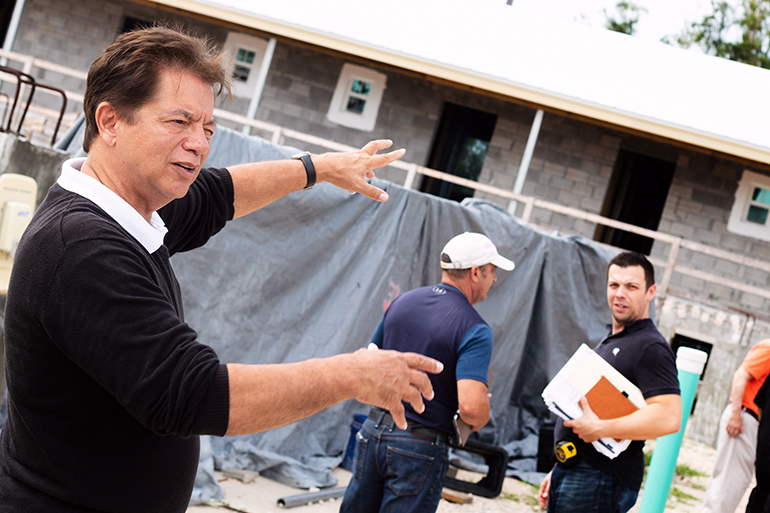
(258, 184)
(646, 424)
(738, 389)
(477, 418)
(268, 396)
(473, 399)
(661, 416)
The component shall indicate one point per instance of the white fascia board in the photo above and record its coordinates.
(494, 84)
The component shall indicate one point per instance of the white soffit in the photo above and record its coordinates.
(516, 51)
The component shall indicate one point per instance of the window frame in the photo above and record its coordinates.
(737, 222)
(338, 112)
(234, 42)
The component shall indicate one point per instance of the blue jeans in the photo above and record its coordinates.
(584, 488)
(395, 471)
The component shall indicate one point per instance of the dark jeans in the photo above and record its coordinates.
(395, 471)
(583, 488)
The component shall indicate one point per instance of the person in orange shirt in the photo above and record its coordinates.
(737, 440)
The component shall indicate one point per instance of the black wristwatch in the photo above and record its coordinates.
(309, 168)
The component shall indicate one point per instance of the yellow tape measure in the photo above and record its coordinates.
(565, 451)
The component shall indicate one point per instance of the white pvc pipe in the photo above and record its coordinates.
(251, 113)
(529, 149)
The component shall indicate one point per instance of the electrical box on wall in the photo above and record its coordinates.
(18, 195)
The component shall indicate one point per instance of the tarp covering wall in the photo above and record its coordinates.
(311, 275)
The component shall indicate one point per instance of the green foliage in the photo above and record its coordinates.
(529, 500)
(686, 471)
(681, 496)
(647, 458)
(740, 33)
(627, 17)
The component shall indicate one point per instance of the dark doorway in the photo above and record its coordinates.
(459, 148)
(636, 195)
(6, 13)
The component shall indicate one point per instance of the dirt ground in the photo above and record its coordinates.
(261, 495)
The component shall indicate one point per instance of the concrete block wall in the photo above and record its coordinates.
(698, 206)
(731, 334)
(72, 33)
(572, 162)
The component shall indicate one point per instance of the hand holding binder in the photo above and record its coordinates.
(609, 394)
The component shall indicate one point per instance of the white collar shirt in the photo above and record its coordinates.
(150, 235)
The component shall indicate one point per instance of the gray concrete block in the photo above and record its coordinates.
(699, 221)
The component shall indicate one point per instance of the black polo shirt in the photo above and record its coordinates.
(642, 355)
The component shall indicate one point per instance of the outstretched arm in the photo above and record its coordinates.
(662, 416)
(268, 396)
(258, 184)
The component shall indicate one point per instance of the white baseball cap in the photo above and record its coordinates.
(469, 249)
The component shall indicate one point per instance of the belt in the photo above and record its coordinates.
(384, 418)
(750, 412)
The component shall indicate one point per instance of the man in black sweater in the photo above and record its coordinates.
(108, 387)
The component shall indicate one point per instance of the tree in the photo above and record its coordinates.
(740, 34)
(628, 16)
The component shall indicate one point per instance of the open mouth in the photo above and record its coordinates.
(187, 167)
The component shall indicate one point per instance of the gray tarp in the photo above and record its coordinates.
(310, 275)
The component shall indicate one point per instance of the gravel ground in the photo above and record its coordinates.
(261, 495)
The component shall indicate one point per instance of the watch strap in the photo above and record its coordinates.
(309, 168)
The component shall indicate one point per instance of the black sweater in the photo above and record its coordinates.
(108, 386)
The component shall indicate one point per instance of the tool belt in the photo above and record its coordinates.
(384, 418)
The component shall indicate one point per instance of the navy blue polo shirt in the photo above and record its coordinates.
(642, 355)
(439, 321)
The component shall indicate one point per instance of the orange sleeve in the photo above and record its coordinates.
(757, 364)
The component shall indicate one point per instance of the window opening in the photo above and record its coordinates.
(460, 148)
(357, 97)
(636, 194)
(750, 215)
(6, 13)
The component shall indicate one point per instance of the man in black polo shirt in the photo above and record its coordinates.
(636, 348)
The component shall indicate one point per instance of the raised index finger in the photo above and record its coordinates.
(424, 363)
(373, 147)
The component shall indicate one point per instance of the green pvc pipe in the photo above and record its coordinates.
(689, 363)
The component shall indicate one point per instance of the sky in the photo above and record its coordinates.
(663, 17)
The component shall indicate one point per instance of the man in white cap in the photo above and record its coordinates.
(399, 470)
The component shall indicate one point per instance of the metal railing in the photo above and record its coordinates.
(25, 81)
(670, 266)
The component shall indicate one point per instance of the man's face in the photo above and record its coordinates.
(162, 152)
(487, 276)
(627, 295)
